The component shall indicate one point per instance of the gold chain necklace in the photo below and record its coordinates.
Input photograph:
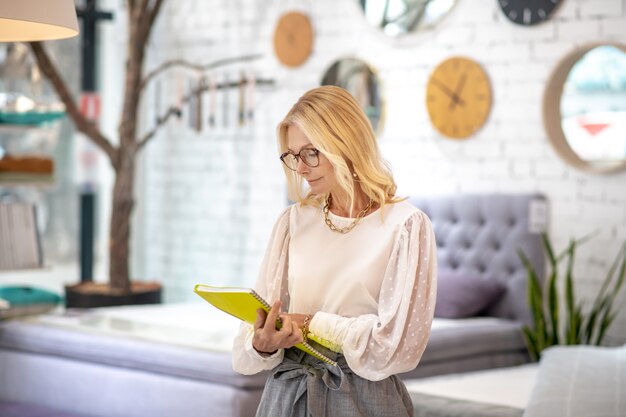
(343, 230)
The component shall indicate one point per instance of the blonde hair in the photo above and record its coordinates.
(337, 126)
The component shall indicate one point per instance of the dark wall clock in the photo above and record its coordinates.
(528, 12)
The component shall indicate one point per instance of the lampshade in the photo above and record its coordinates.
(37, 20)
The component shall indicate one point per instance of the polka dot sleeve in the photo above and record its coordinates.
(393, 340)
(271, 285)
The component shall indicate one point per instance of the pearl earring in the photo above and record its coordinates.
(354, 175)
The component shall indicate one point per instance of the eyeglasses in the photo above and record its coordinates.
(310, 156)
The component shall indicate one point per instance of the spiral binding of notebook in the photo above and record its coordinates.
(243, 304)
(260, 299)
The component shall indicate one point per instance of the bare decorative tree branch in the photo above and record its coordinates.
(196, 67)
(172, 111)
(142, 15)
(82, 124)
(155, 12)
(177, 111)
(141, 18)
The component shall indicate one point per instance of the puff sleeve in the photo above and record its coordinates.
(393, 340)
(271, 285)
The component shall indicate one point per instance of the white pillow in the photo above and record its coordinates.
(578, 381)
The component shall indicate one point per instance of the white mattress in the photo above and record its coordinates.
(195, 325)
(504, 386)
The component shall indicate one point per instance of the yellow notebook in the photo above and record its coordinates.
(243, 303)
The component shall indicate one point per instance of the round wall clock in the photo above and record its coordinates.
(293, 39)
(528, 12)
(458, 97)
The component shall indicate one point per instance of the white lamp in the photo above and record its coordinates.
(37, 20)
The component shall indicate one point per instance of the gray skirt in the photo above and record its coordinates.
(304, 386)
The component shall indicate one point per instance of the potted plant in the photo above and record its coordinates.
(576, 326)
(123, 157)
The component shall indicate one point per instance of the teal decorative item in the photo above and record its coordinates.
(31, 118)
(24, 295)
(19, 109)
(25, 300)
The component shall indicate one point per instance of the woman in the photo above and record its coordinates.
(349, 262)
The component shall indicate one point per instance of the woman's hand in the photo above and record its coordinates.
(267, 339)
(297, 318)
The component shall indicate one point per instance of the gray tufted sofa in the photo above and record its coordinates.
(108, 376)
(481, 235)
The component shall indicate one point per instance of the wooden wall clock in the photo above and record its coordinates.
(458, 97)
(293, 39)
(528, 12)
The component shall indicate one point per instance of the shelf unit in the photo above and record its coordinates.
(19, 188)
(28, 141)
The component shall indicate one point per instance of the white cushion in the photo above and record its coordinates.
(580, 381)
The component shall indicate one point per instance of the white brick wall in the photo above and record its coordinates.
(208, 201)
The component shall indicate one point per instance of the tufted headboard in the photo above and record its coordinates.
(480, 234)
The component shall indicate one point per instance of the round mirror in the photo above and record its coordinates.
(585, 108)
(399, 17)
(362, 82)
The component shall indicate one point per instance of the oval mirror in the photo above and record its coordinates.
(585, 108)
(362, 82)
(400, 17)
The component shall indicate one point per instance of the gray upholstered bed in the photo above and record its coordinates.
(427, 405)
(568, 381)
(149, 361)
(501, 392)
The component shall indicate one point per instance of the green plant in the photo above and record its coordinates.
(576, 327)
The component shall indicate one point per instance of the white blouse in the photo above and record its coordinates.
(372, 290)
